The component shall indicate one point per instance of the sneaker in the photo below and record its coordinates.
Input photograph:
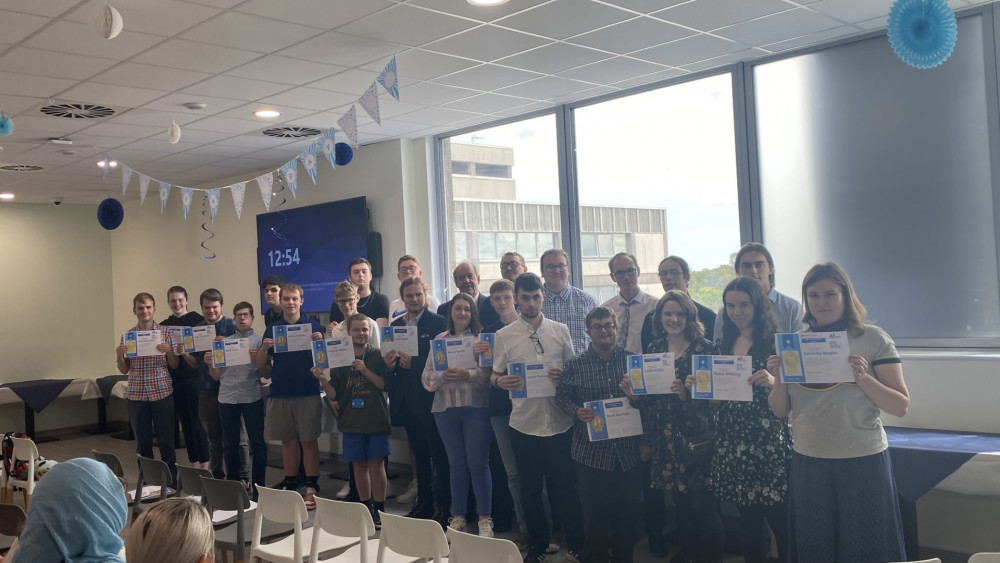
(310, 498)
(553, 548)
(535, 557)
(410, 495)
(486, 527)
(572, 556)
(344, 491)
(457, 523)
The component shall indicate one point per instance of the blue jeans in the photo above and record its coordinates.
(154, 417)
(465, 432)
(253, 418)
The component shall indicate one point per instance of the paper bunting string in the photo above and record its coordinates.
(369, 101)
(126, 177)
(329, 147)
(308, 157)
(290, 172)
(186, 195)
(143, 188)
(238, 190)
(349, 125)
(213, 201)
(204, 227)
(266, 182)
(388, 79)
(164, 194)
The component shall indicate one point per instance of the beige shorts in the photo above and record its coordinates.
(294, 418)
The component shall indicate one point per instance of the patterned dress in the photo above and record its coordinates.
(753, 448)
(667, 419)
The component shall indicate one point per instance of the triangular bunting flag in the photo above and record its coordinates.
(308, 157)
(126, 176)
(186, 196)
(290, 172)
(143, 187)
(349, 125)
(329, 147)
(164, 194)
(238, 191)
(388, 79)
(266, 184)
(213, 201)
(369, 101)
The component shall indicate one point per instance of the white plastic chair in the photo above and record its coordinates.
(3, 485)
(469, 548)
(411, 537)
(984, 557)
(347, 519)
(287, 507)
(24, 450)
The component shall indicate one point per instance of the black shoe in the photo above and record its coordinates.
(376, 508)
(535, 556)
(420, 511)
(658, 546)
(442, 517)
(352, 497)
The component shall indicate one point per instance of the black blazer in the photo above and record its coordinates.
(407, 391)
(487, 314)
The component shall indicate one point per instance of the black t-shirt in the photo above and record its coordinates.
(184, 373)
(272, 314)
(500, 404)
(375, 306)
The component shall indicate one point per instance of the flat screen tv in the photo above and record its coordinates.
(311, 246)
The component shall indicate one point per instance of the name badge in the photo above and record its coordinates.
(357, 403)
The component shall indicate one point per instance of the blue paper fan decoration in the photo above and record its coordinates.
(6, 125)
(110, 213)
(344, 154)
(922, 32)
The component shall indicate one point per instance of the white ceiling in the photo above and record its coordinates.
(459, 65)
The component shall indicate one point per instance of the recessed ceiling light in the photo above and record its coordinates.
(6, 196)
(195, 105)
(487, 2)
(267, 113)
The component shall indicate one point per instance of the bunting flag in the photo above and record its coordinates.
(308, 157)
(164, 194)
(238, 190)
(290, 171)
(126, 177)
(388, 79)
(213, 201)
(143, 187)
(369, 101)
(329, 147)
(266, 184)
(349, 125)
(186, 196)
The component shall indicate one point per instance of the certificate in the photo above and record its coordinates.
(814, 357)
(176, 334)
(535, 380)
(453, 353)
(651, 374)
(486, 358)
(292, 338)
(198, 338)
(228, 353)
(142, 343)
(723, 378)
(613, 418)
(400, 338)
(332, 353)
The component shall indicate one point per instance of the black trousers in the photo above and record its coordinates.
(699, 523)
(756, 542)
(433, 477)
(149, 418)
(609, 501)
(186, 409)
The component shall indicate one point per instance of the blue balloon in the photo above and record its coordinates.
(110, 213)
(6, 126)
(343, 154)
(922, 32)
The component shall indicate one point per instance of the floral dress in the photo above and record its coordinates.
(753, 447)
(667, 419)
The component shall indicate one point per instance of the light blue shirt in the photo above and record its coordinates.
(787, 312)
(241, 384)
(570, 307)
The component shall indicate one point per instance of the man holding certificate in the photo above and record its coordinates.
(150, 393)
(539, 432)
(605, 448)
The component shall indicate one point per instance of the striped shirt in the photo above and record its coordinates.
(148, 377)
(449, 394)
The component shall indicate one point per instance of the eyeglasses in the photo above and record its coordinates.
(346, 301)
(408, 269)
(629, 272)
(670, 273)
(556, 267)
(538, 343)
(243, 316)
(606, 327)
(512, 265)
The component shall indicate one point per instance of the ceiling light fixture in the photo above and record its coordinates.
(105, 163)
(267, 113)
(487, 2)
(6, 195)
(195, 105)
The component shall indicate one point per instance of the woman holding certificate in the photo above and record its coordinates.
(461, 411)
(843, 505)
(753, 447)
(673, 424)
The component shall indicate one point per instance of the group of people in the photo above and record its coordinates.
(807, 462)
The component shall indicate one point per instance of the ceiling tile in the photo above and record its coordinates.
(152, 118)
(278, 155)
(13, 105)
(534, 106)
(778, 27)
(156, 77)
(425, 65)
(744, 55)
(50, 63)
(49, 8)
(582, 95)
(173, 103)
(353, 81)
(255, 142)
(227, 125)
(341, 49)
(554, 57)
(185, 159)
(486, 43)
(478, 13)
(852, 11)
(246, 112)
(326, 14)
(545, 87)
(38, 123)
(811, 39)
(84, 140)
(321, 120)
(435, 116)
(12, 148)
(107, 94)
(874, 23)
(487, 103)
(14, 27)
(391, 128)
(200, 137)
(645, 6)
(407, 25)
(395, 108)
(707, 16)
(252, 33)
(310, 98)
(290, 71)
(38, 86)
(565, 18)
(611, 70)
(161, 146)
(689, 50)
(487, 77)
(371, 138)
(124, 130)
(235, 87)
(650, 78)
(222, 151)
(632, 35)
(189, 55)
(429, 93)
(79, 39)
(224, 4)
(162, 17)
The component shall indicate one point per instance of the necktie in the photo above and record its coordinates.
(623, 329)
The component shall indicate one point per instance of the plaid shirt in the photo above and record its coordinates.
(588, 377)
(570, 307)
(148, 378)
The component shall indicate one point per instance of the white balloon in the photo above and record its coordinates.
(174, 133)
(106, 21)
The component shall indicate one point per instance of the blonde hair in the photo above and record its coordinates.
(346, 289)
(176, 530)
